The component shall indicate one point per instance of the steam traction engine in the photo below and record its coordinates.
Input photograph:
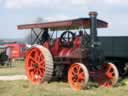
(71, 56)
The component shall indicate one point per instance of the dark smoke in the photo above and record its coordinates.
(30, 37)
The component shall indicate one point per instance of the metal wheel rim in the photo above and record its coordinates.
(39, 64)
(109, 75)
(78, 76)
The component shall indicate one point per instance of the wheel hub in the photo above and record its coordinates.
(35, 65)
(75, 77)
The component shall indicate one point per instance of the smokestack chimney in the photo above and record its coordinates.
(93, 28)
(93, 36)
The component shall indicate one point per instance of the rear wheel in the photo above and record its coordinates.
(78, 76)
(108, 75)
(39, 64)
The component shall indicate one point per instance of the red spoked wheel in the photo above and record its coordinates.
(108, 75)
(78, 76)
(38, 64)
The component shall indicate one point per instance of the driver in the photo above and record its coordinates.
(45, 36)
(80, 33)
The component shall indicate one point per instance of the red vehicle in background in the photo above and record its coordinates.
(9, 52)
(15, 51)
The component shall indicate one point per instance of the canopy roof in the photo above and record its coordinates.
(67, 24)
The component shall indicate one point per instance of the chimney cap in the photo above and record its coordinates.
(93, 13)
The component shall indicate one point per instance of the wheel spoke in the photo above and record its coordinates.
(110, 75)
(32, 75)
(31, 63)
(37, 56)
(78, 69)
(108, 83)
(73, 74)
(68, 37)
(81, 76)
(110, 72)
(41, 63)
(34, 71)
(41, 57)
(74, 79)
(110, 69)
(32, 58)
(41, 72)
(30, 68)
(39, 76)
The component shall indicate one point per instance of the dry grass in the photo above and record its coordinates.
(16, 69)
(24, 88)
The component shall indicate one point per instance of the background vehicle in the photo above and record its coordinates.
(115, 49)
(10, 52)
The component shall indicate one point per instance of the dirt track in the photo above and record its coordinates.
(13, 77)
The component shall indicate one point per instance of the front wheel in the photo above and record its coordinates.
(78, 76)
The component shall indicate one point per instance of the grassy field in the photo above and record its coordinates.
(16, 69)
(25, 88)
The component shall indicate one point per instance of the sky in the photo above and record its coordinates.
(16, 12)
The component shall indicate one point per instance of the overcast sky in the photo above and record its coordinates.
(15, 12)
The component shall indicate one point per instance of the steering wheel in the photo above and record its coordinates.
(67, 38)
